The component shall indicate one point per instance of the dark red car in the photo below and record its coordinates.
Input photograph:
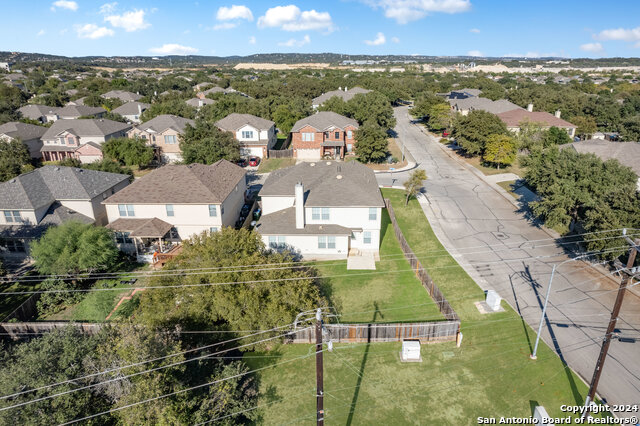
(254, 161)
(445, 134)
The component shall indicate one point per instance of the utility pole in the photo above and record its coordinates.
(319, 370)
(612, 324)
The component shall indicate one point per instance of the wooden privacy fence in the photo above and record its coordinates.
(445, 308)
(281, 153)
(435, 331)
(21, 330)
(26, 310)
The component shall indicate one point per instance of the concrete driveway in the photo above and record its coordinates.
(478, 225)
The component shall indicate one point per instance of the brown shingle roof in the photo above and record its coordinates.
(234, 121)
(514, 117)
(283, 222)
(143, 228)
(182, 184)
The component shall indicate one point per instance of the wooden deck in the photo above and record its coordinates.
(160, 259)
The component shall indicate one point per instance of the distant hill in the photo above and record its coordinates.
(294, 58)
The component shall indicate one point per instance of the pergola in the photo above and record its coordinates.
(142, 229)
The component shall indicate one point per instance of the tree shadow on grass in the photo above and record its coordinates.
(356, 393)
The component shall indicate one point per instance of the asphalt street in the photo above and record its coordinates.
(513, 256)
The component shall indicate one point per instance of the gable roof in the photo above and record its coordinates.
(234, 121)
(130, 108)
(182, 184)
(35, 111)
(515, 117)
(195, 102)
(144, 228)
(22, 131)
(47, 184)
(57, 214)
(627, 153)
(346, 95)
(79, 110)
(85, 127)
(123, 95)
(324, 120)
(160, 123)
(357, 186)
(484, 104)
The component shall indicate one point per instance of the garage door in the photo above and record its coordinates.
(308, 154)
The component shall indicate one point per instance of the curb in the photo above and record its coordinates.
(410, 166)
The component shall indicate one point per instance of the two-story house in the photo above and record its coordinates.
(28, 134)
(324, 134)
(48, 196)
(255, 134)
(37, 112)
(162, 133)
(175, 202)
(515, 118)
(69, 138)
(131, 111)
(322, 210)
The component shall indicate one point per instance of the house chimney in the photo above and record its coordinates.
(557, 114)
(200, 102)
(139, 109)
(530, 107)
(339, 88)
(345, 89)
(299, 205)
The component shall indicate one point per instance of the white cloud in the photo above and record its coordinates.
(291, 18)
(395, 39)
(592, 47)
(93, 31)
(173, 49)
(252, 40)
(404, 11)
(108, 8)
(64, 4)
(225, 26)
(40, 33)
(130, 21)
(234, 12)
(379, 40)
(474, 53)
(296, 43)
(474, 30)
(621, 34)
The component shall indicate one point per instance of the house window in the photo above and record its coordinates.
(169, 209)
(308, 137)
(325, 213)
(373, 213)
(62, 141)
(322, 242)
(126, 210)
(247, 134)
(282, 242)
(367, 237)
(277, 243)
(331, 242)
(213, 212)
(315, 213)
(349, 134)
(12, 216)
(14, 246)
(170, 139)
(221, 210)
(213, 229)
(123, 238)
(336, 135)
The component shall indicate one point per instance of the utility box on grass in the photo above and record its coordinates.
(410, 351)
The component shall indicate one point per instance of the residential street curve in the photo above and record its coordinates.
(479, 226)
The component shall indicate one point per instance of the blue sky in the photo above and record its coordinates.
(585, 28)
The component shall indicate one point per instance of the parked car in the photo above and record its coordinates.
(445, 134)
(242, 162)
(254, 161)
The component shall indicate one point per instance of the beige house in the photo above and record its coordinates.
(28, 134)
(162, 132)
(255, 135)
(173, 203)
(515, 118)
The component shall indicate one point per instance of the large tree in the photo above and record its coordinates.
(585, 126)
(204, 143)
(500, 150)
(631, 129)
(555, 136)
(128, 151)
(473, 130)
(264, 297)
(14, 159)
(73, 248)
(173, 106)
(371, 143)
(11, 98)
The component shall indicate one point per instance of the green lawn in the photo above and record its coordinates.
(510, 186)
(489, 375)
(9, 303)
(94, 307)
(361, 296)
(268, 165)
(488, 170)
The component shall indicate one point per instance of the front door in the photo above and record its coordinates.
(337, 152)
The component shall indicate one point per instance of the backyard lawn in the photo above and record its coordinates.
(268, 165)
(9, 303)
(489, 375)
(372, 296)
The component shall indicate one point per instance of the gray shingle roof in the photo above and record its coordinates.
(79, 110)
(22, 131)
(627, 153)
(324, 120)
(35, 111)
(163, 122)
(283, 222)
(234, 121)
(357, 186)
(47, 184)
(484, 104)
(182, 184)
(345, 95)
(195, 102)
(85, 127)
(123, 95)
(131, 108)
(56, 215)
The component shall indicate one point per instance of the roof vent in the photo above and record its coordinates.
(320, 227)
(312, 164)
(328, 163)
(339, 177)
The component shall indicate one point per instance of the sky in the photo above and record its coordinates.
(566, 28)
